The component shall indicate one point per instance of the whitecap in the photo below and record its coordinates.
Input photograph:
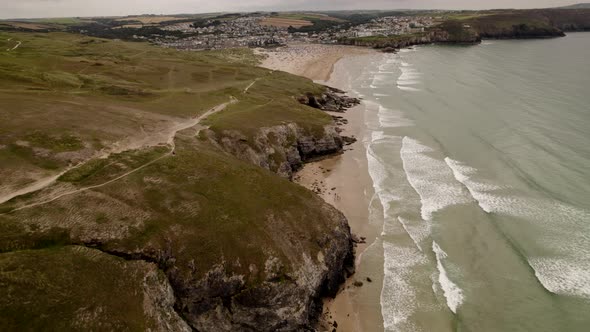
(431, 178)
(561, 272)
(407, 88)
(452, 292)
(398, 297)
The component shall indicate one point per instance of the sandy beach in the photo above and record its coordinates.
(344, 182)
(313, 61)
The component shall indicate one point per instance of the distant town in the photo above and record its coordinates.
(265, 31)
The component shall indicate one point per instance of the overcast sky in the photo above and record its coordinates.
(65, 8)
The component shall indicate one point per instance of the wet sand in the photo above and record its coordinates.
(344, 182)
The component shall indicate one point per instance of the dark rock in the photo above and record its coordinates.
(333, 100)
(389, 50)
(357, 284)
(369, 279)
(348, 140)
(282, 149)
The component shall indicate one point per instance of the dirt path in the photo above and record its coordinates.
(18, 43)
(169, 140)
(249, 86)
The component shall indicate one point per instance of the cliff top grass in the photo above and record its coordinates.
(63, 97)
(44, 281)
(201, 206)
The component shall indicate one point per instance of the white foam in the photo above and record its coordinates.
(398, 296)
(564, 272)
(418, 231)
(451, 291)
(464, 174)
(566, 276)
(431, 178)
(408, 77)
(407, 88)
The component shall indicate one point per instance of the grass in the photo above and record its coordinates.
(58, 20)
(62, 143)
(57, 83)
(41, 295)
(98, 171)
(269, 102)
(64, 96)
(198, 199)
(386, 39)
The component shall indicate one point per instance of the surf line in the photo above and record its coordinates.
(452, 292)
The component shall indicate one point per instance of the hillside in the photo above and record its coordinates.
(122, 210)
(473, 26)
(577, 6)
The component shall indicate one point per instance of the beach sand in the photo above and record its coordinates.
(313, 61)
(344, 182)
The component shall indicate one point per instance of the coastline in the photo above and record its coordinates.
(344, 182)
(314, 61)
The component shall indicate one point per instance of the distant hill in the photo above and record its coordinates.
(578, 6)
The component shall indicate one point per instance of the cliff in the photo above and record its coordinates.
(165, 231)
(514, 25)
(285, 147)
(230, 247)
(472, 27)
(281, 149)
(433, 36)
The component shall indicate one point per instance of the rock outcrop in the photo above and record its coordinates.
(397, 42)
(281, 302)
(282, 149)
(332, 100)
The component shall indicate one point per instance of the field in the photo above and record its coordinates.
(285, 22)
(151, 19)
(27, 25)
(309, 17)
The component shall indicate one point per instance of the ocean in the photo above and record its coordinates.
(480, 162)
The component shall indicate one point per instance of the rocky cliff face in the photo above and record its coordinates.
(281, 301)
(282, 149)
(234, 247)
(397, 42)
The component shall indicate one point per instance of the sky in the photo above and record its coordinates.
(69, 8)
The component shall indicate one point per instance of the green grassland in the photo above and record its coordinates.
(68, 93)
(64, 97)
(189, 213)
(41, 281)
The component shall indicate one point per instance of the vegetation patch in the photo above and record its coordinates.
(62, 143)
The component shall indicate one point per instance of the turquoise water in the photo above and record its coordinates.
(480, 157)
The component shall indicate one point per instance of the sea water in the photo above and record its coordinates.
(480, 158)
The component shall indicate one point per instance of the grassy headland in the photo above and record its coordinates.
(221, 230)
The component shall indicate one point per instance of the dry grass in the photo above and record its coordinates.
(29, 26)
(284, 22)
(151, 19)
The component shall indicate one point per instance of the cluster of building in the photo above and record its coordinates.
(391, 25)
(249, 32)
(238, 32)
